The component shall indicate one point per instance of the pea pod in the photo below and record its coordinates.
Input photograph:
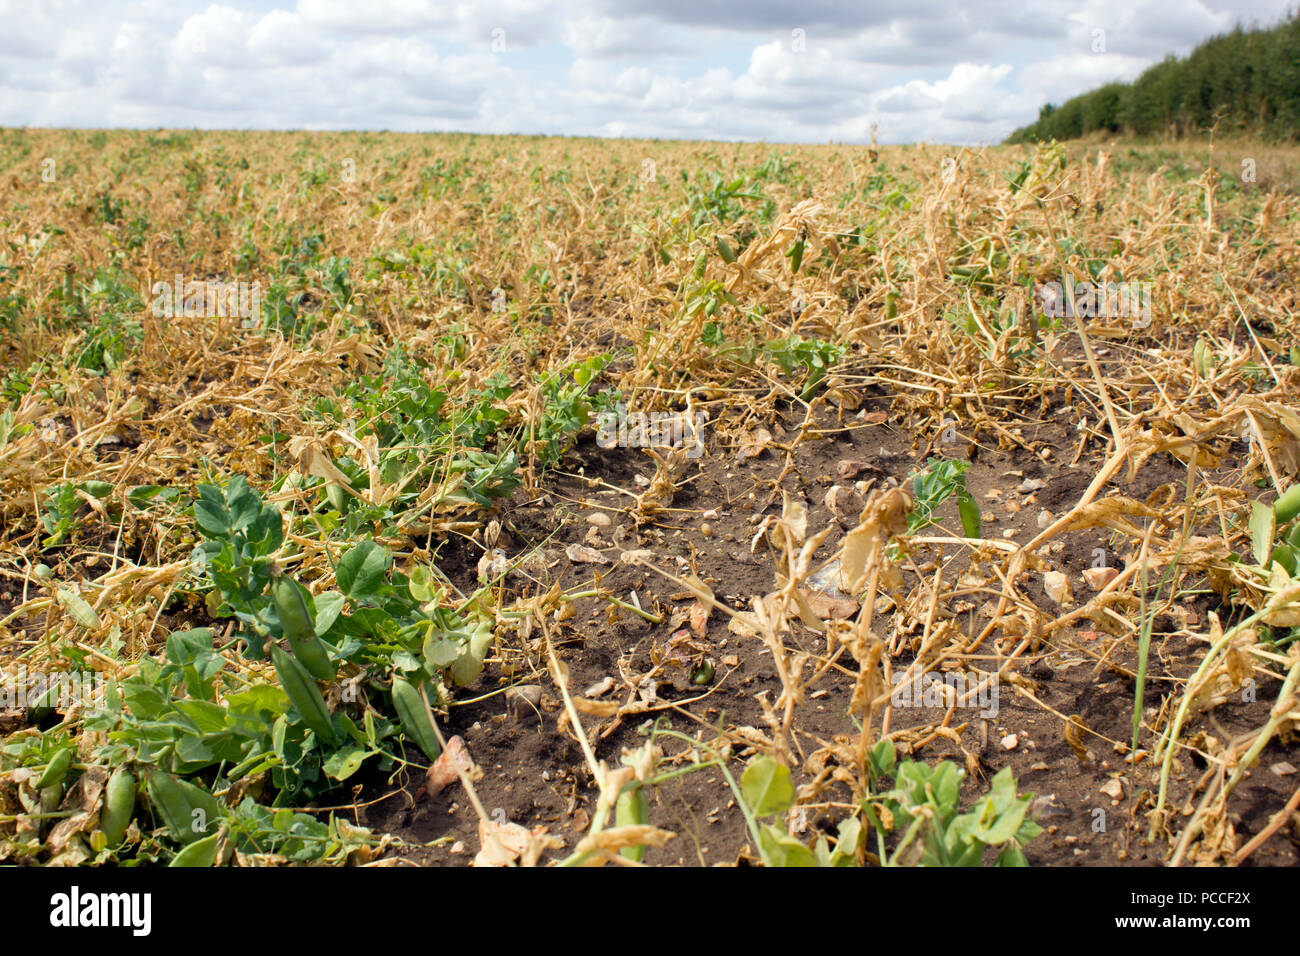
(199, 853)
(186, 810)
(1287, 505)
(632, 809)
(725, 250)
(57, 768)
(296, 620)
(119, 806)
(796, 256)
(891, 305)
(1283, 555)
(303, 694)
(414, 715)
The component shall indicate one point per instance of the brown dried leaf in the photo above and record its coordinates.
(447, 769)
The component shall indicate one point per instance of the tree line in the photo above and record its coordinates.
(1246, 81)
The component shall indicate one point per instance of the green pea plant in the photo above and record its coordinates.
(922, 806)
(1275, 546)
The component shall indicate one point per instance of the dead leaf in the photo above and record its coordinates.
(699, 618)
(504, 843)
(827, 607)
(753, 444)
(446, 770)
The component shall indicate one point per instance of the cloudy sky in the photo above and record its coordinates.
(811, 71)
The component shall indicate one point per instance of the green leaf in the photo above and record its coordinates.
(208, 717)
(345, 761)
(361, 571)
(221, 513)
(1011, 856)
(946, 784)
(328, 607)
(781, 849)
(883, 757)
(846, 847)
(766, 787)
(439, 651)
(421, 584)
(1262, 526)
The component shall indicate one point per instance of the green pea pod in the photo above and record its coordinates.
(119, 806)
(57, 768)
(50, 797)
(295, 617)
(968, 510)
(186, 810)
(413, 713)
(796, 256)
(632, 809)
(304, 694)
(725, 250)
(199, 853)
(1287, 505)
(1283, 555)
(336, 496)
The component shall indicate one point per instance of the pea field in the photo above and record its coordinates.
(376, 499)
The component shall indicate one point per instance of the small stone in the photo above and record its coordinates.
(599, 519)
(458, 848)
(1009, 742)
(524, 699)
(1057, 587)
(1098, 578)
(843, 501)
(581, 554)
(1044, 519)
(1031, 484)
(1113, 788)
(1282, 769)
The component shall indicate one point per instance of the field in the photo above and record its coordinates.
(386, 499)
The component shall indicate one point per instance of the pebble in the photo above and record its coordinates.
(524, 699)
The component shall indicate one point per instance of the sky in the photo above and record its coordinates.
(811, 71)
